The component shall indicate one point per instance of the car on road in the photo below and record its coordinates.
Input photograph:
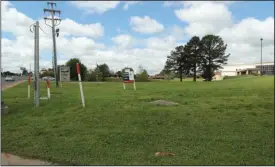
(9, 78)
(51, 78)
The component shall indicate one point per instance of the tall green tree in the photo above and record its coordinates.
(193, 50)
(94, 75)
(73, 74)
(177, 62)
(104, 69)
(24, 71)
(142, 74)
(119, 74)
(213, 51)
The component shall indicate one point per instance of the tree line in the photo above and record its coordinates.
(101, 72)
(199, 57)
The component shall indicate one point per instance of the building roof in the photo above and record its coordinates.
(247, 69)
(241, 64)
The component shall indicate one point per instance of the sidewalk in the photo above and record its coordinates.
(8, 159)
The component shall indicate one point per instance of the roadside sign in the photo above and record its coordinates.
(129, 77)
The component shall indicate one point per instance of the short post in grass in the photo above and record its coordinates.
(129, 77)
(80, 84)
(29, 85)
(48, 88)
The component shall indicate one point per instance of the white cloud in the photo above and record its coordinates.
(9, 14)
(166, 43)
(188, 3)
(204, 17)
(80, 40)
(21, 48)
(123, 40)
(129, 3)
(173, 3)
(250, 30)
(70, 27)
(145, 25)
(96, 6)
(177, 32)
(243, 38)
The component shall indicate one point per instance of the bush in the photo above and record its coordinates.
(142, 77)
(94, 76)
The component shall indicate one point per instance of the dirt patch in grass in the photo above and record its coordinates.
(163, 103)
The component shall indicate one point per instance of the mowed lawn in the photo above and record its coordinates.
(228, 122)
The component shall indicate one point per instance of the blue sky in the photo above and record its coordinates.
(119, 18)
(116, 21)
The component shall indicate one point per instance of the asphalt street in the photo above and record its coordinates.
(16, 79)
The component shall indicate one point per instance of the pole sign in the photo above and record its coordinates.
(129, 77)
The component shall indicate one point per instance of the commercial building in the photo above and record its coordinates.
(247, 69)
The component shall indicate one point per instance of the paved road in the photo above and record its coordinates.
(17, 78)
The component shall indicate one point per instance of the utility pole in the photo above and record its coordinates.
(36, 63)
(261, 56)
(54, 23)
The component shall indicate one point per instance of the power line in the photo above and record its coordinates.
(55, 32)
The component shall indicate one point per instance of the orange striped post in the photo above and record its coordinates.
(48, 88)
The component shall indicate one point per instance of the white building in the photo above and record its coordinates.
(231, 70)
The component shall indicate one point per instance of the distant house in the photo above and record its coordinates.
(157, 77)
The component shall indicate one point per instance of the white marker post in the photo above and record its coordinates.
(29, 85)
(48, 88)
(80, 84)
(132, 78)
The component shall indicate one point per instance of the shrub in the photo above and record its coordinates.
(142, 77)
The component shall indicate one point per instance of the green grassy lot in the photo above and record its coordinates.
(229, 122)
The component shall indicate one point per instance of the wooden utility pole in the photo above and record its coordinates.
(54, 23)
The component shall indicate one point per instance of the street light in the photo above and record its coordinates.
(261, 56)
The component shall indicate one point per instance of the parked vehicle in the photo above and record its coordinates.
(45, 78)
(9, 78)
(52, 79)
